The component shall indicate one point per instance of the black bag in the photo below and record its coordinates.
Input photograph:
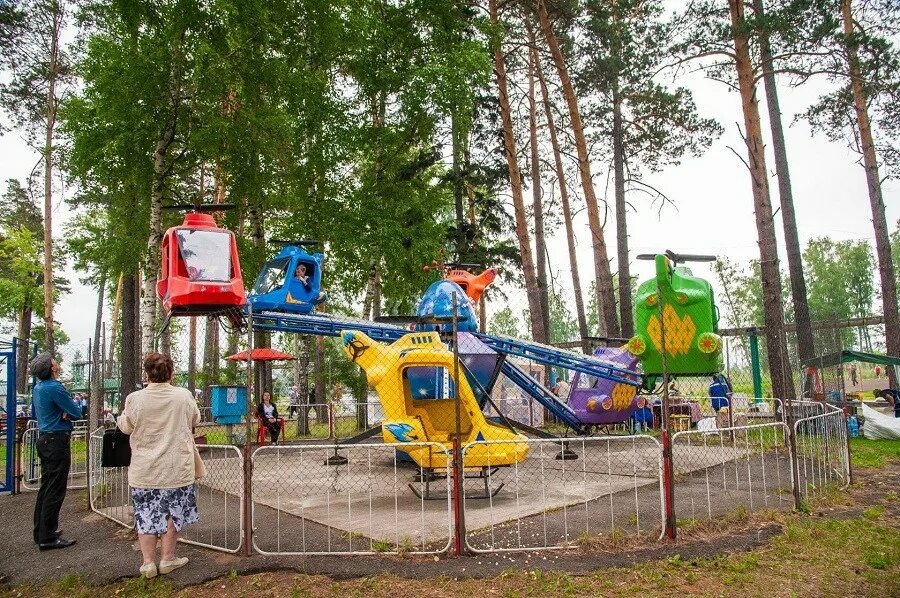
(116, 449)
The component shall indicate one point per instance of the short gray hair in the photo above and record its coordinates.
(40, 366)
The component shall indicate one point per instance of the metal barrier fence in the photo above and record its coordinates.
(719, 471)
(822, 456)
(567, 492)
(30, 462)
(219, 496)
(372, 498)
(108, 486)
(359, 499)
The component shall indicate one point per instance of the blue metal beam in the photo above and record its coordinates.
(321, 325)
(543, 395)
(555, 357)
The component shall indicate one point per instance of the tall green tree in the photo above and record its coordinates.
(648, 125)
(860, 56)
(38, 76)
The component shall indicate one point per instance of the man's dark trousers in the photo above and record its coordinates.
(56, 454)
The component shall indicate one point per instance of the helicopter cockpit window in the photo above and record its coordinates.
(272, 277)
(206, 254)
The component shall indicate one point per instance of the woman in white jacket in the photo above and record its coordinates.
(160, 419)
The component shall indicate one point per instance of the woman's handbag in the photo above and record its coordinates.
(199, 465)
(116, 449)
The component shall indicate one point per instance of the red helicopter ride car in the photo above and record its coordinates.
(200, 269)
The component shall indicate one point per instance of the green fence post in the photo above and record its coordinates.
(754, 363)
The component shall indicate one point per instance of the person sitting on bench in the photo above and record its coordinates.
(267, 413)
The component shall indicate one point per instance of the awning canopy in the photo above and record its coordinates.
(833, 359)
(262, 354)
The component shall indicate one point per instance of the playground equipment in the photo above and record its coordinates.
(291, 281)
(600, 401)
(689, 316)
(200, 269)
(414, 379)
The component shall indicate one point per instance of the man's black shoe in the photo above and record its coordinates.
(58, 543)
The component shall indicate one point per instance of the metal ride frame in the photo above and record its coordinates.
(8, 351)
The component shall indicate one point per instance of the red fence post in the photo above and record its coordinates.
(668, 486)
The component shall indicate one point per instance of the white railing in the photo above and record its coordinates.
(357, 499)
(565, 493)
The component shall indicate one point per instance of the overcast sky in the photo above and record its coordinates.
(713, 210)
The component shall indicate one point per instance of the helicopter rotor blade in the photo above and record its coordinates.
(200, 208)
(298, 242)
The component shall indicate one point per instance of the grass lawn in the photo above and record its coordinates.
(873, 453)
(847, 545)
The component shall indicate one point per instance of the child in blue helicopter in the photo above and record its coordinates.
(301, 277)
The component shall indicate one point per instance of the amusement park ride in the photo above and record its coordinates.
(202, 276)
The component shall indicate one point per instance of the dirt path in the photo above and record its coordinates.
(104, 552)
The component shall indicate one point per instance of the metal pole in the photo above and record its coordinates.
(754, 363)
(458, 511)
(248, 428)
(12, 362)
(792, 439)
(668, 469)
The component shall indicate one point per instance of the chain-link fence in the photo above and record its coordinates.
(219, 496)
(108, 486)
(358, 499)
(30, 462)
(822, 454)
(576, 492)
(740, 468)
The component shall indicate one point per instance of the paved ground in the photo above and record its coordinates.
(104, 554)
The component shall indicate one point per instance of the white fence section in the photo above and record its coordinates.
(605, 485)
(219, 496)
(822, 456)
(718, 471)
(30, 461)
(353, 499)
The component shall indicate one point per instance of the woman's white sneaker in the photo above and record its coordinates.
(169, 566)
(149, 570)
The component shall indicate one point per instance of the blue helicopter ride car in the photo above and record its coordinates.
(291, 281)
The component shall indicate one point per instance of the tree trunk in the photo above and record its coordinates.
(52, 72)
(148, 301)
(161, 170)
(805, 343)
(625, 315)
(95, 404)
(515, 183)
(458, 191)
(773, 309)
(540, 247)
(24, 346)
(192, 355)
(566, 210)
(606, 302)
(879, 220)
(129, 372)
(210, 359)
(117, 308)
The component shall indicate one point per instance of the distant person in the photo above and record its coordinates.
(164, 463)
(55, 410)
(293, 402)
(853, 374)
(562, 390)
(878, 371)
(892, 397)
(719, 392)
(267, 413)
(301, 276)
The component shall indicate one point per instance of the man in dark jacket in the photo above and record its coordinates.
(55, 411)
